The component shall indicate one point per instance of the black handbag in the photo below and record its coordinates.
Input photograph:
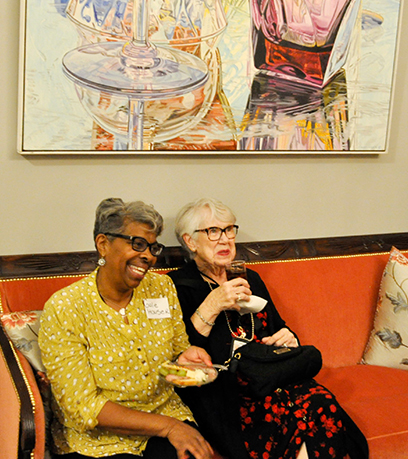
(267, 368)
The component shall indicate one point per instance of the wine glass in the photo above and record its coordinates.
(236, 269)
(137, 70)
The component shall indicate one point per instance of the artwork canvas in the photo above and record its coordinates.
(206, 76)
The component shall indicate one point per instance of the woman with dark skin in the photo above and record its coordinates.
(102, 347)
(297, 421)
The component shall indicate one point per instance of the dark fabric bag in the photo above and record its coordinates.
(268, 368)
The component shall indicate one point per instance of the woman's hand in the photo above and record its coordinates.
(186, 440)
(283, 337)
(127, 421)
(222, 298)
(227, 295)
(195, 354)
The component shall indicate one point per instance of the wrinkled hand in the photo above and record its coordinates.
(195, 354)
(226, 296)
(283, 337)
(186, 440)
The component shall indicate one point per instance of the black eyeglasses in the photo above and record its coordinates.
(214, 233)
(139, 244)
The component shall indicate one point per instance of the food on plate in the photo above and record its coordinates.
(187, 375)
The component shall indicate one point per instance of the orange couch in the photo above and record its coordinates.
(330, 302)
(326, 290)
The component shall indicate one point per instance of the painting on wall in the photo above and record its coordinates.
(206, 76)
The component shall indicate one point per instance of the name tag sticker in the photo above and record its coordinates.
(157, 308)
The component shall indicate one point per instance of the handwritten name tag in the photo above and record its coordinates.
(157, 308)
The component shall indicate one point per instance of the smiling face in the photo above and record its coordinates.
(124, 268)
(212, 254)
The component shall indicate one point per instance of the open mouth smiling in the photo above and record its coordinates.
(138, 270)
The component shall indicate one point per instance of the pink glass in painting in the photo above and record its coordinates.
(303, 40)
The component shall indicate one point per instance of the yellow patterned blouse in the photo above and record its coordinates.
(92, 356)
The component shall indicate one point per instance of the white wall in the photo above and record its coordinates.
(47, 203)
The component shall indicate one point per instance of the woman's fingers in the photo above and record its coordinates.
(195, 354)
(186, 440)
(226, 297)
(238, 282)
(199, 449)
(283, 337)
(237, 290)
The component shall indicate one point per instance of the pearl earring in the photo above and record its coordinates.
(101, 261)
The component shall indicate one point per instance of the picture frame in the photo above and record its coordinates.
(251, 101)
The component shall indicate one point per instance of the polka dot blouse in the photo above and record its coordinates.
(92, 356)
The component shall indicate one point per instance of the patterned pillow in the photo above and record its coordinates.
(22, 328)
(388, 344)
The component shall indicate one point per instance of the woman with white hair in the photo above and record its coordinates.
(301, 420)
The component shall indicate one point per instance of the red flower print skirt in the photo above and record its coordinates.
(277, 426)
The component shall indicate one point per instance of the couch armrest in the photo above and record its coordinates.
(17, 425)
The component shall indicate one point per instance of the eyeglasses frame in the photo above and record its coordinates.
(132, 238)
(223, 230)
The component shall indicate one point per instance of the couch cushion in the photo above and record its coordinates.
(388, 344)
(376, 398)
(327, 299)
(22, 328)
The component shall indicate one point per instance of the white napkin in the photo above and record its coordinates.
(255, 304)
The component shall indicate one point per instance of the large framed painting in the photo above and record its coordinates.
(206, 76)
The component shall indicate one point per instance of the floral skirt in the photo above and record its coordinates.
(277, 426)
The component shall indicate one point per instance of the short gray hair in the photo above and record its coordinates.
(192, 216)
(112, 215)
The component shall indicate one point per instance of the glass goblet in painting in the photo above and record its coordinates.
(123, 80)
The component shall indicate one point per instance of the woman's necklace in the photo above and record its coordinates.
(122, 311)
(242, 333)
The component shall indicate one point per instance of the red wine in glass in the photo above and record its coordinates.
(236, 269)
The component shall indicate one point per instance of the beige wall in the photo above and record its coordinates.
(47, 204)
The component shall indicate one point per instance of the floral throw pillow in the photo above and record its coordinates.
(22, 328)
(388, 344)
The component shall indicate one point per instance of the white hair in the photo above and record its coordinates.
(194, 214)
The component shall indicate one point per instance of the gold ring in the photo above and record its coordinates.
(239, 297)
